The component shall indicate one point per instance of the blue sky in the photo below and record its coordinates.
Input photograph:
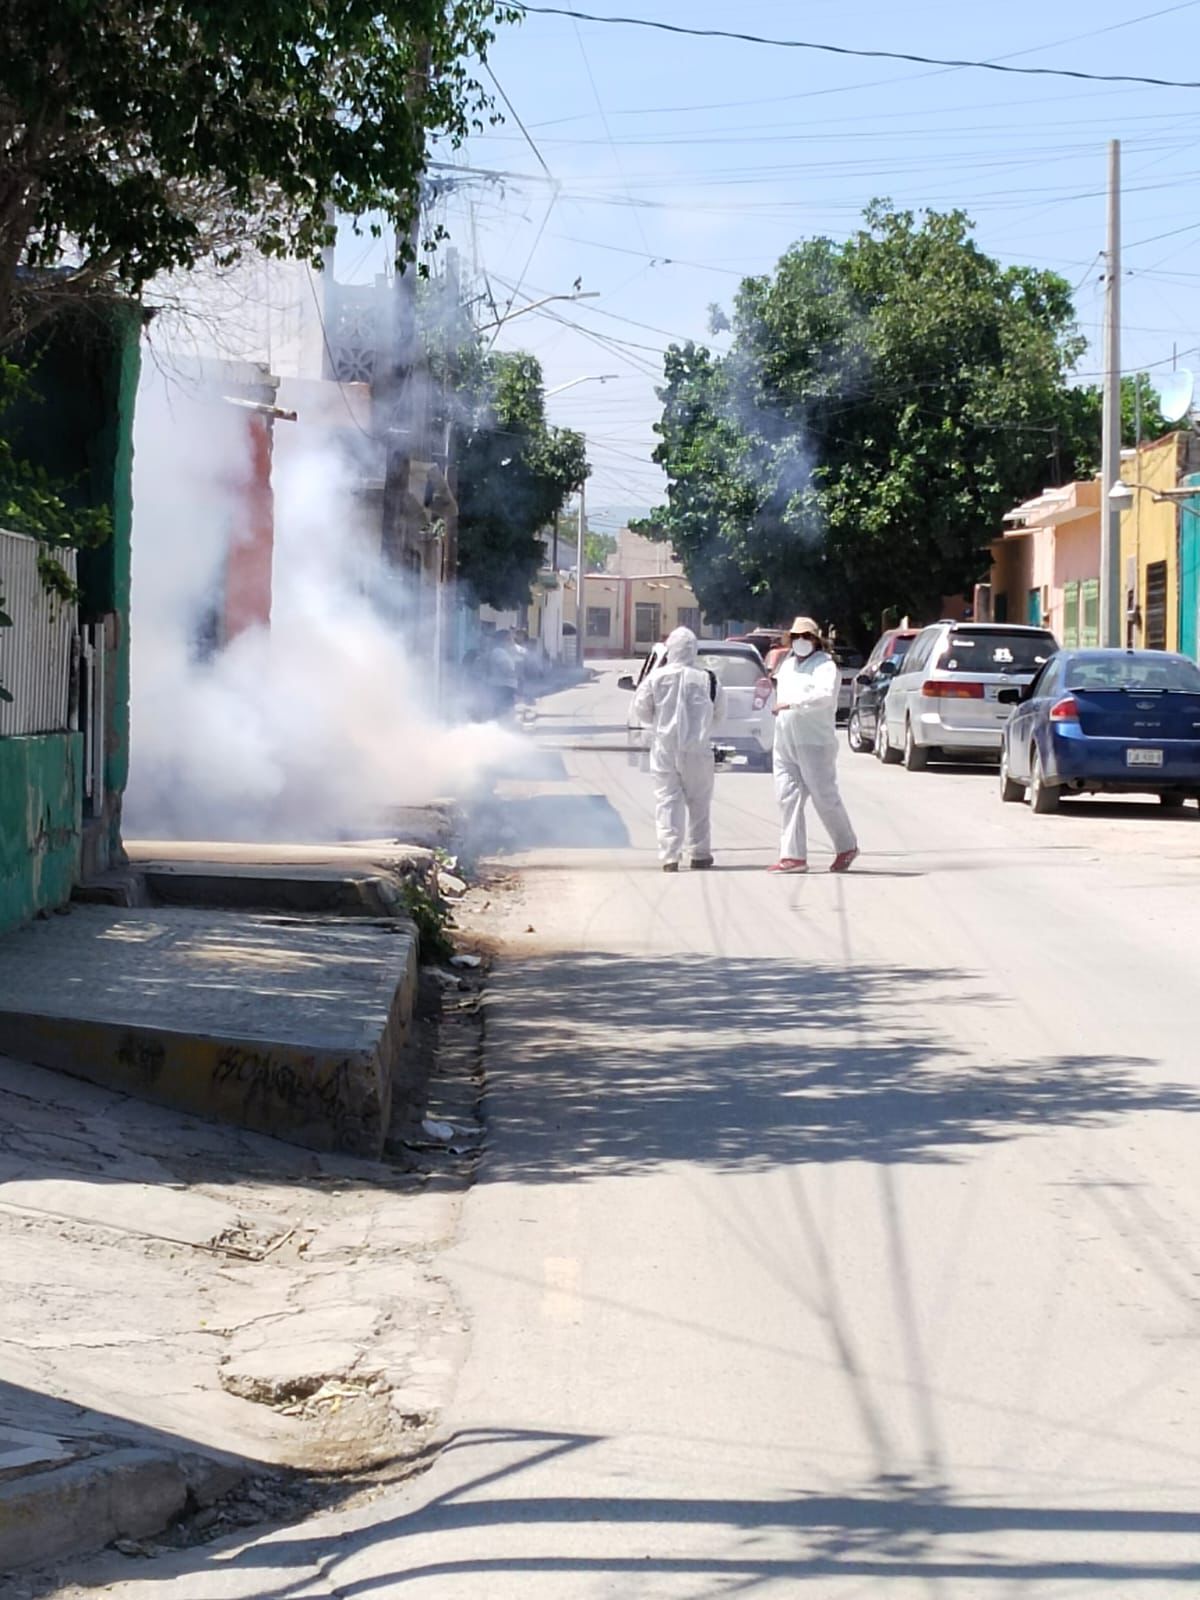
(679, 165)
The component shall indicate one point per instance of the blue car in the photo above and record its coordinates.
(1104, 722)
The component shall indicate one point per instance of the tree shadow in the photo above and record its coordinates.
(750, 1064)
(893, 1528)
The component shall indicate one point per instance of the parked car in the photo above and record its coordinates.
(748, 726)
(871, 687)
(850, 663)
(946, 696)
(763, 639)
(1104, 722)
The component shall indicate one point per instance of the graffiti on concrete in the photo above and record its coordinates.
(143, 1057)
(269, 1084)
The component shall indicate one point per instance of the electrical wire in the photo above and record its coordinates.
(516, 116)
(684, 30)
(587, 65)
(329, 352)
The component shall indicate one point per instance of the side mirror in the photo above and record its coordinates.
(1011, 697)
(626, 682)
(864, 678)
(889, 668)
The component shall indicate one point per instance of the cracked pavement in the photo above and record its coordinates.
(230, 1293)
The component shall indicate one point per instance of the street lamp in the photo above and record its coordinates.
(1121, 494)
(600, 377)
(585, 294)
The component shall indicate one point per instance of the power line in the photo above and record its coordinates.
(855, 51)
(612, 143)
(329, 352)
(513, 112)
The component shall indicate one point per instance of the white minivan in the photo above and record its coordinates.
(945, 698)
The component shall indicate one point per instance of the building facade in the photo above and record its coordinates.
(1046, 565)
(1157, 544)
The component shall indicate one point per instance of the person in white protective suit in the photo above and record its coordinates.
(679, 702)
(806, 697)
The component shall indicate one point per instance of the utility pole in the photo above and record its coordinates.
(403, 408)
(581, 579)
(1112, 597)
(447, 607)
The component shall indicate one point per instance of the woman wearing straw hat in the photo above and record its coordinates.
(806, 745)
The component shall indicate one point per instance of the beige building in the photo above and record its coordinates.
(641, 597)
(1046, 565)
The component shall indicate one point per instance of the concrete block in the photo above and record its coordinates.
(289, 1027)
(130, 1494)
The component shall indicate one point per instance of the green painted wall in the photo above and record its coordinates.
(84, 370)
(41, 789)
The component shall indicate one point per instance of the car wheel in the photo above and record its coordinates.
(885, 750)
(1043, 798)
(1010, 789)
(854, 735)
(916, 757)
(1172, 802)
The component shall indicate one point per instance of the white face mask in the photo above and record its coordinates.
(802, 647)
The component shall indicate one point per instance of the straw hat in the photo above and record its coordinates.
(803, 625)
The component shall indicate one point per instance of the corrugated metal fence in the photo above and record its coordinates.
(36, 652)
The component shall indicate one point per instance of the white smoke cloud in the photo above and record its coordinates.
(314, 728)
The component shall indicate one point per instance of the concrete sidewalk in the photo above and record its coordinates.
(292, 1027)
(190, 1307)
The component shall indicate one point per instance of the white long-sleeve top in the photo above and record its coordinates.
(806, 692)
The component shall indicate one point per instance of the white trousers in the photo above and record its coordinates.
(804, 772)
(683, 790)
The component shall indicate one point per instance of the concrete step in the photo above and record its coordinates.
(289, 1025)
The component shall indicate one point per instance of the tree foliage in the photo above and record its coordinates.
(597, 547)
(883, 403)
(137, 136)
(514, 474)
(35, 503)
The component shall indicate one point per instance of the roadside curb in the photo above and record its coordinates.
(124, 1494)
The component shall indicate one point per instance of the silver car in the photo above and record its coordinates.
(748, 727)
(946, 695)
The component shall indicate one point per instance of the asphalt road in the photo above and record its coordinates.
(839, 1236)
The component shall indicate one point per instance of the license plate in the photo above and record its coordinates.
(1143, 758)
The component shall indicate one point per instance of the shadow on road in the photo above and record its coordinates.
(894, 1529)
(742, 1063)
(502, 825)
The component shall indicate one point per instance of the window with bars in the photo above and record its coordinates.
(647, 623)
(1156, 605)
(599, 622)
(689, 617)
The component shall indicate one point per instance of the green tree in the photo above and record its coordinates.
(597, 547)
(883, 403)
(138, 136)
(515, 473)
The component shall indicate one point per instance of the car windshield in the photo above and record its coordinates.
(732, 671)
(899, 648)
(969, 650)
(1139, 672)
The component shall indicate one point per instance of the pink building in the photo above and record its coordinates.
(1046, 565)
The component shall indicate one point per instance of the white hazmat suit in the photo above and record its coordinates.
(679, 702)
(806, 692)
